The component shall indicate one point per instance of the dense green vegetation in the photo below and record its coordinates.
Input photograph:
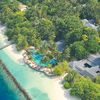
(97, 79)
(53, 20)
(48, 21)
(82, 87)
(61, 68)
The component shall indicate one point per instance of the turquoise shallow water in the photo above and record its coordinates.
(36, 84)
(8, 88)
(24, 76)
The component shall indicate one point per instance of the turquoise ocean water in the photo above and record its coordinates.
(8, 89)
(35, 86)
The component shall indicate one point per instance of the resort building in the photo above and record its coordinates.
(90, 24)
(87, 67)
(60, 45)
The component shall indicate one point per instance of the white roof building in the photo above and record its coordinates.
(87, 23)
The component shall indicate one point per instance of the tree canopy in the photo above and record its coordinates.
(52, 21)
(82, 87)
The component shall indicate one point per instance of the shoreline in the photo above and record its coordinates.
(11, 49)
(14, 54)
(15, 81)
(55, 91)
(56, 82)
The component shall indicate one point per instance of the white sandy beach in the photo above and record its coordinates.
(55, 90)
(14, 54)
(11, 50)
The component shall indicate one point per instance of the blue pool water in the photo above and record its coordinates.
(38, 57)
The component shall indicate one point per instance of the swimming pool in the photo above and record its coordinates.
(37, 58)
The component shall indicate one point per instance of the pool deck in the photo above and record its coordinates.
(33, 65)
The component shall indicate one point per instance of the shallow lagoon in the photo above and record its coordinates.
(8, 88)
(33, 82)
(24, 75)
(36, 84)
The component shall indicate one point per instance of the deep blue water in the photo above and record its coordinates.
(5, 92)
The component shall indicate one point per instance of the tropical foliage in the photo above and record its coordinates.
(82, 87)
(53, 20)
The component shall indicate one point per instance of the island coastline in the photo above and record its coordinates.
(18, 57)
